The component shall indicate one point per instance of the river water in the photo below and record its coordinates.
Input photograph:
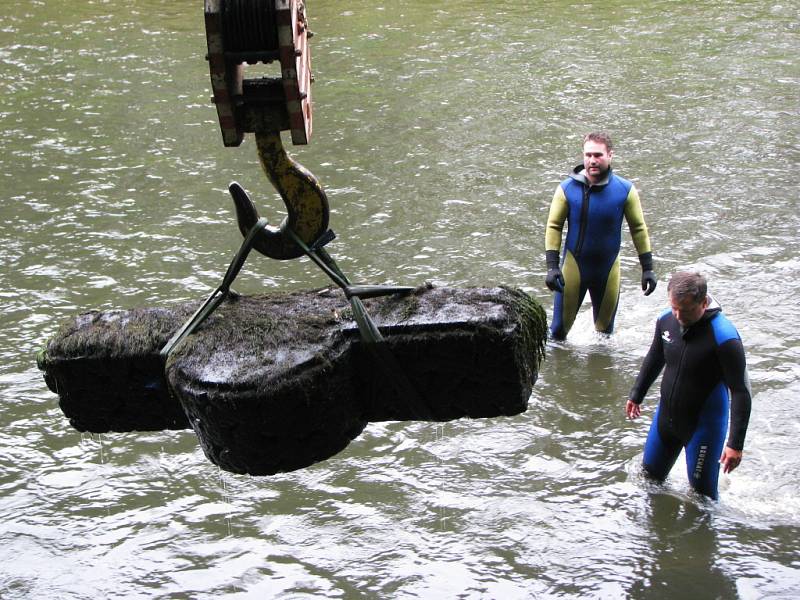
(440, 132)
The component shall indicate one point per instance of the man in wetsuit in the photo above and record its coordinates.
(703, 359)
(593, 201)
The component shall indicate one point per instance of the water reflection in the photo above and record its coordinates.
(682, 553)
(441, 130)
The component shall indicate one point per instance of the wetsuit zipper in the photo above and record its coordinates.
(675, 381)
(584, 218)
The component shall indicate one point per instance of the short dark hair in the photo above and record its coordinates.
(688, 284)
(601, 137)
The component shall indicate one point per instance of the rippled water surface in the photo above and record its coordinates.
(441, 131)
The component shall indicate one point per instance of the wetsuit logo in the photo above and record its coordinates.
(701, 459)
(666, 337)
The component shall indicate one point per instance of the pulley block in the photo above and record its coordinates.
(242, 32)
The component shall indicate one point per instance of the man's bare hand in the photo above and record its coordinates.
(633, 410)
(730, 459)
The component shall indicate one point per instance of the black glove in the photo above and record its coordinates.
(648, 276)
(554, 279)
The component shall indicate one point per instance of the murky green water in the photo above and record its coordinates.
(441, 130)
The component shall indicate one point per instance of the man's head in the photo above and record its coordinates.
(597, 154)
(688, 296)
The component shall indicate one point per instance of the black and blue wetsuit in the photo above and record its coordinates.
(701, 364)
(590, 262)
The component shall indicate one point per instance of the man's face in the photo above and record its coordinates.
(596, 160)
(687, 311)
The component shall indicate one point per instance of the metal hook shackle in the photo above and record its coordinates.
(308, 211)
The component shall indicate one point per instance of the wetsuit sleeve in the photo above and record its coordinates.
(635, 218)
(555, 221)
(651, 367)
(734, 371)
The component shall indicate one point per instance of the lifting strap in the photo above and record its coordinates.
(371, 336)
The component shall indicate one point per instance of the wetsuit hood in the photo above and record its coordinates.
(579, 175)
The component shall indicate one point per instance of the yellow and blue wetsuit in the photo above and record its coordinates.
(705, 379)
(590, 263)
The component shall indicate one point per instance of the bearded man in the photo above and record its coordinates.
(593, 201)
